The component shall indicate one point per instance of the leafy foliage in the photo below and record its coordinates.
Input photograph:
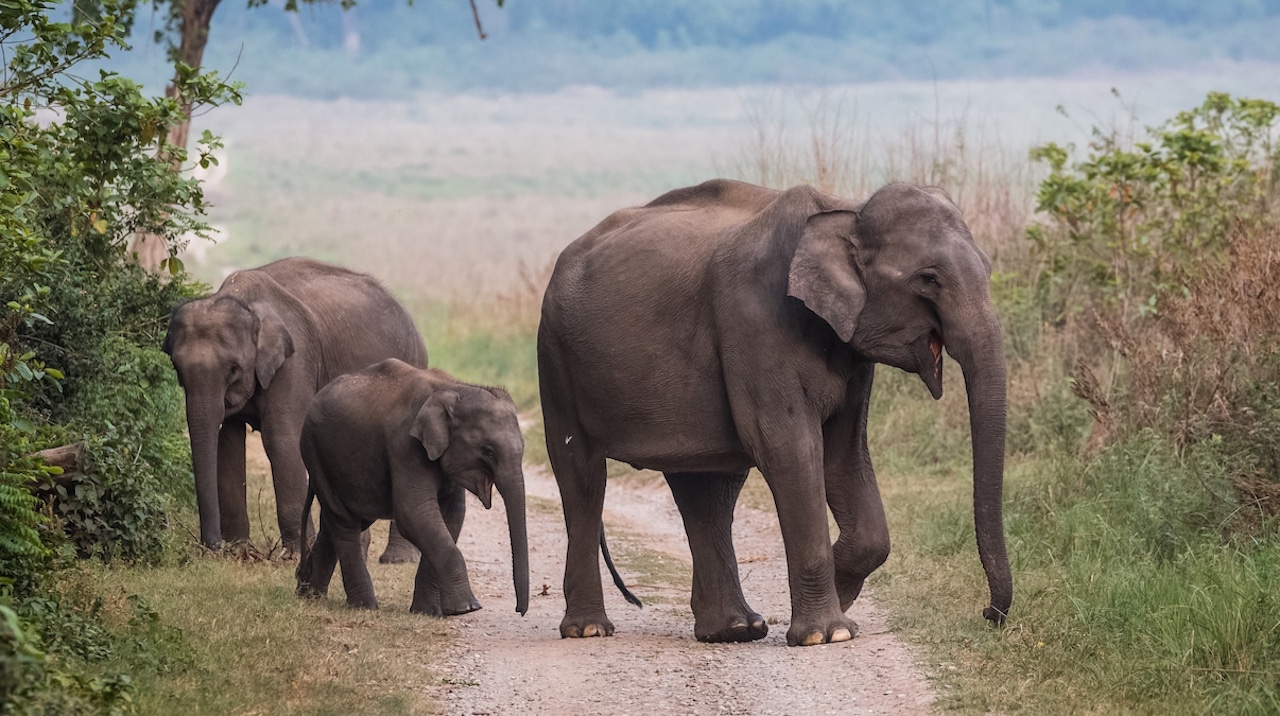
(1162, 256)
(1132, 224)
(82, 168)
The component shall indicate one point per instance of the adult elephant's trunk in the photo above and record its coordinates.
(976, 345)
(204, 419)
(511, 487)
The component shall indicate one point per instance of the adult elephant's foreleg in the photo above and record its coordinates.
(852, 493)
(289, 478)
(793, 470)
(232, 491)
(706, 502)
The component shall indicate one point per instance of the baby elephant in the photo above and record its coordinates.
(394, 441)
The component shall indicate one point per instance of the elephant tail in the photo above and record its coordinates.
(613, 571)
(303, 572)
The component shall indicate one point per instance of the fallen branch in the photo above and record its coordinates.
(68, 458)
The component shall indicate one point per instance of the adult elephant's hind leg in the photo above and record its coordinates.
(706, 502)
(581, 478)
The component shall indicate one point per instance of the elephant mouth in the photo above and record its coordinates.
(929, 355)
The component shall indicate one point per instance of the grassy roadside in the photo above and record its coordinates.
(1127, 597)
(226, 635)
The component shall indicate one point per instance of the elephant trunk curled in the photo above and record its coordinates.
(980, 354)
(511, 487)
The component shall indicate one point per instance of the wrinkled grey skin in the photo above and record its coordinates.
(726, 326)
(254, 354)
(397, 441)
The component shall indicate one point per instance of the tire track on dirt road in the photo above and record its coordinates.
(501, 663)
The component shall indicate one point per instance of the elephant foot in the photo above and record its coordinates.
(571, 628)
(399, 554)
(739, 629)
(370, 603)
(464, 608)
(811, 634)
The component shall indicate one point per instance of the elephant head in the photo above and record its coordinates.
(224, 351)
(475, 436)
(899, 279)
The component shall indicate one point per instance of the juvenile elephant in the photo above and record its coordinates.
(254, 354)
(727, 326)
(396, 441)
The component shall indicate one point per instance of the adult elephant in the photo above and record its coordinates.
(727, 326)
(254, 354)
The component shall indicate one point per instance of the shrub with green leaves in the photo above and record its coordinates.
(1132, 221)
(82, 170)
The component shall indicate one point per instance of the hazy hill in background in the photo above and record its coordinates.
(384, 48)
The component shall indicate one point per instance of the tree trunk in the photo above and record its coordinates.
(193, 30)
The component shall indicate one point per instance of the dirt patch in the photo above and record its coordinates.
(501, 663)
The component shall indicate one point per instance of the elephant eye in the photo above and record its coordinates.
(930, 278)
(488, 453)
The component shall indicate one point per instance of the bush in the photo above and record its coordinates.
(1133, 224)
(82, 170)
(1160, 260)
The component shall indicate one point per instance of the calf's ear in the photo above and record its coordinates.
(432, 424)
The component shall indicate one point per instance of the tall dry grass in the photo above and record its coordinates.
(833, 148)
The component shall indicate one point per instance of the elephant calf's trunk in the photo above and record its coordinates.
(513, 498)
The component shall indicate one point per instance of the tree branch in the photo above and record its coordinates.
(476, 14)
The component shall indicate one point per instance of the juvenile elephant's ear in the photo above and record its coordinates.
(823, 274)
(274, 342)
(431, 426)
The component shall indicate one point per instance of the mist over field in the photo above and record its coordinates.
(386, 48)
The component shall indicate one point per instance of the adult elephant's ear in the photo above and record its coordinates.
(431, 425)
(274, 342)
(823, 274)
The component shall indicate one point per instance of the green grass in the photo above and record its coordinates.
(1127, 599)
(229, 635)
(467, 341)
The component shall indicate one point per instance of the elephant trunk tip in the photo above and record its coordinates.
(995, 616)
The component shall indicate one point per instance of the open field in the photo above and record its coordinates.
(448, 196)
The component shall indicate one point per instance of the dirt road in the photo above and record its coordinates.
(501, 663)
